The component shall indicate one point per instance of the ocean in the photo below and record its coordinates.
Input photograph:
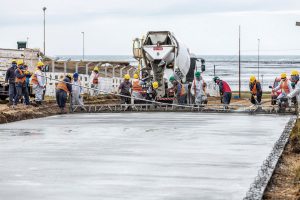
(226, 67)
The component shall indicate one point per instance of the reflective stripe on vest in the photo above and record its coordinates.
(136, 87)
(20, 80)
(62, 86)
(285, 86)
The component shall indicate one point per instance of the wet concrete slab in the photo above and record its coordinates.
(135, 156)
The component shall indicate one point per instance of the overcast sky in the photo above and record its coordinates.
(207, 27)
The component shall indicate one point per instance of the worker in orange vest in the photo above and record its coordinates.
(256, 90)
(137, 88)
(20, 83)
(38, 83)
(180, 90)
(285, 86)
(63, 88)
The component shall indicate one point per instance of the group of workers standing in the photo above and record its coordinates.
(18, 77)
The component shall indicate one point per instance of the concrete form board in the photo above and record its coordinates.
(135, 156)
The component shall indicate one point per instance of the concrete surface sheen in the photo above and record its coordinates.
(136, 156)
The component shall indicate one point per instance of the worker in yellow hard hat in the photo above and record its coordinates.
(95, 80)
(125, 89)
(296, 91)
(137, 89)
(285, 86)
(20, 82)
(255, 90)
(38, 82)
(63, 88)
(152, 91)
(10, 81)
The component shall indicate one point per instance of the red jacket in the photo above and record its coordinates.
(224, 87)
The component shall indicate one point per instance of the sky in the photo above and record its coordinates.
(207, 27)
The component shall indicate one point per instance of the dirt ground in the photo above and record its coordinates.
(285, 183)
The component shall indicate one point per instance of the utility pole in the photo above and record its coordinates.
(44, 9)
(239, 61)
(258, 45)
(82, 45)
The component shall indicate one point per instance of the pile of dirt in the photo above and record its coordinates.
(285, 182)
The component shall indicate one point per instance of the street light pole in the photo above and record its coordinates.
(258, 45)
(44, 9)
(82, 45)
(239, 61)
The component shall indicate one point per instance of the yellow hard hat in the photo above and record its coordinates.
(14, 61)
(27, 72)
(136, 76)
(127, 76)
(96, 68)
(295, 73)
(155, 85)
(283, 75)
(20, 62)
(40, 64)
(70, 76)
(252, 79)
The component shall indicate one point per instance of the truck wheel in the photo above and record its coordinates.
(3, 98)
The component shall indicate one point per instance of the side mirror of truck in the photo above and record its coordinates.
(203, 68)
(270, 87)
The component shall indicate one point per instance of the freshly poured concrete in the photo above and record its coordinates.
(140, 156)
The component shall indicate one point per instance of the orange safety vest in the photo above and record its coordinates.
(285, 87)
(34, 79)
(136, 87)
(20, 80)
(254, 89)
(182, 92)
(62, 86)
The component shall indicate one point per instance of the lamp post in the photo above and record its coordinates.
(44, 9)
(258, 45)
(239, 61)
(82, 45)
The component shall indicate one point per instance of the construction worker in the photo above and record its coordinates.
(256, 90)
(225, 91)
(198, 89)
(151, 91)
(125, 89)
(20, 81)
(179, 90)
(137, 88)
(63, 88)
(10, 80)
(38, 83)
(285, 86)
(94, 78)
(296, 91)
(77, 91)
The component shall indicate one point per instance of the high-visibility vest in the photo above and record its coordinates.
(136, 87)
(254, 89)
(182, 92)
(20, 80)
(34, 79)
(285, 86)
(62, 86)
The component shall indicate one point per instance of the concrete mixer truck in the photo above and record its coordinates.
(161, 56)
